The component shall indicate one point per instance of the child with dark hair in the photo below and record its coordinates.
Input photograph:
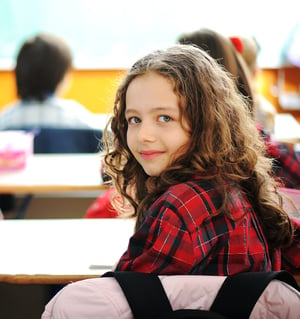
(42, 74)
(187, 155)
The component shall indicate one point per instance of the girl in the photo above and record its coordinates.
(188, 157)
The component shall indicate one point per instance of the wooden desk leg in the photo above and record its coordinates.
(23, 207)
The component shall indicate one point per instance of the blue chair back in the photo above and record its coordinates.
(64, 140)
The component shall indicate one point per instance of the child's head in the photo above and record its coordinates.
(226, 54)
(250, 51)
(42, 64)
(215, 133)
(157, 133)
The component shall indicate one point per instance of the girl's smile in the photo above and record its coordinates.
(149, 155)
(155, 135)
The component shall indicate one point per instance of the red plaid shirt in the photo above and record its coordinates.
(176, 238)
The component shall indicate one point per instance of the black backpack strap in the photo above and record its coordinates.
(144, 293)
(240, 292)
(147, 298)
(194, 314)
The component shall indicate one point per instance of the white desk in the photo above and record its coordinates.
(54, 173)
(287, 128)
(57, 251)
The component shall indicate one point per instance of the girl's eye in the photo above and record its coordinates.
(165, 118)
(133, 120)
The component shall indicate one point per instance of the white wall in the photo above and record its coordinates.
(112, 34)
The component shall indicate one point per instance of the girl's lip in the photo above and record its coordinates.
(147, 155)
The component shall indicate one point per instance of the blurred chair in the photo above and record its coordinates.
(64, 140)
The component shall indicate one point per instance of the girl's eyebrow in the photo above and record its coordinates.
(128, 111)
(155, 109)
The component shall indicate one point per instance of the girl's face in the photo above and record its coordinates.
(155, 135)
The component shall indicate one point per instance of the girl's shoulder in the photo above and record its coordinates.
(195, 187)
(185, 205)
(190, 195)
(201, 195)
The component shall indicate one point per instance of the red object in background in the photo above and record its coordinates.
(102, 207)
(237, 43)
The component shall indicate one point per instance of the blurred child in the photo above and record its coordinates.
(265, 112)
(286, 165)
(42, 74)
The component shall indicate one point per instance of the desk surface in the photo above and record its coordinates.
(61, 250)
(287, 128)
(54, 173)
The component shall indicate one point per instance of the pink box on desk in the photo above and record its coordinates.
(15, 147)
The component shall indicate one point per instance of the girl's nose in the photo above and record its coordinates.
(146, 132)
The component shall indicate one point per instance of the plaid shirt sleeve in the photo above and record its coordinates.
(286, 163)
(175, 238)
(291, 254)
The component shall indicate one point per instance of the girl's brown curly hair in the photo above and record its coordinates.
(225, 146)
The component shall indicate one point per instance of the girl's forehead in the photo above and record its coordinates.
(150, 84)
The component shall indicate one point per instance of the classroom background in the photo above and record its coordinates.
(107, 37)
